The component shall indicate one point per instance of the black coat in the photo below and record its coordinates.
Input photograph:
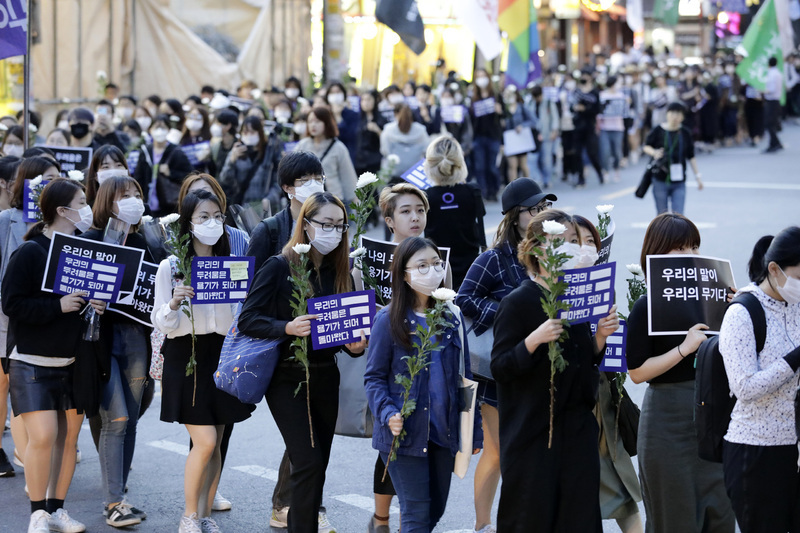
(264, 244)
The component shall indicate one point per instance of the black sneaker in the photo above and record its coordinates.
(121, 516)
(6, 469)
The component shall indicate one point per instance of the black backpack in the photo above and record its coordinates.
(713, 402)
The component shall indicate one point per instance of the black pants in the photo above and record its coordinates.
(754, 116)
(772, 118)
(587, 140)
(764, 487)
(308, 464)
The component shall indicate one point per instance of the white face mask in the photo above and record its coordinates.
(573, 250)
(159, 135)
(13, 149)
(570, 85)
(86, 220)
(425, 283)
(447, 101)
(730, 69)
(130, 210)
(194, 125)
(482, 82)
(300, 128)
(790, 290)
(103, 175)
(396, 98)
(125, 113)
(292, 93)
(251, 139)
(144, 122)
(209, 232)
(64, 125)
(216, 130)
(325, 241)
(303, 192)
(282, 117)
(588, 256)
(335, 98)
(647, 78)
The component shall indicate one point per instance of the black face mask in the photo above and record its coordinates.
(79, 130)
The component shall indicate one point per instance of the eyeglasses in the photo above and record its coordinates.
(341, 228)
(424, 268)
(202, 219)
(302, 181)
(538, 208)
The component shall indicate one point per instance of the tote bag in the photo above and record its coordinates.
(467, 393)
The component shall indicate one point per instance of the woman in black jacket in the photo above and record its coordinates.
(161, 169)
(267, 313)
(368, 137)
(554, 487)
(44, 331)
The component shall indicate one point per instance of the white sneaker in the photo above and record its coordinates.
(61, 521)
(40, 522)
(221, 503)
(486, 529)
(208, 525)
(324, 525)
(77, 456)
(190, 524)
(279, 518)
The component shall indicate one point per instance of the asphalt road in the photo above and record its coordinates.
(747, 195)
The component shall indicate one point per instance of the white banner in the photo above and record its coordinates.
(480, 16)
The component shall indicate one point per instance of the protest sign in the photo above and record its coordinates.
(144, 297)
(197, 152)
(614, 360)
(354, 102)
(518, 143)
(30, 201)
(684, 290)
(13, 28)
(218, 280)
(484, 107)
(605, 245)
(100, 280)
(98, 253)
(342, 318)
(453, 114)
(133, 160)
(416, 176)
(72, 158)
(590, 293)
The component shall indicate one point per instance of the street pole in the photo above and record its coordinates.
(26, 82)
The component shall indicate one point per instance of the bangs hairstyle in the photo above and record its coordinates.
(216, 188)
(583, 222)
(60, 192)
(339, 258)
(507, 230)
(103, 208)
(444, 161)
(187, 207)
(783, 249)
(255, 124)
(326, 117)
(667, 232)
(28, 169)
(390, 195)
(403, 296)
(107, 150)
(532, 239)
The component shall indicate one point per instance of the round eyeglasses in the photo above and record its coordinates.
(424, 268)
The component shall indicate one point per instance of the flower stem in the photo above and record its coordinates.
(552, 402)
(395, 445)
(308, 405)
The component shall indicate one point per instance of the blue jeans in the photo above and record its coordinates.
(611, 148)
(422, 485)
(544, 161)
(663, 192)
(120, 404)
(484, 156)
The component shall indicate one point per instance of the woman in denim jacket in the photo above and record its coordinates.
(423, 468)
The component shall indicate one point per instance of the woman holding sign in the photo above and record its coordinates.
(267, 313)
(189, 395)
(44, 331)
(681, 491)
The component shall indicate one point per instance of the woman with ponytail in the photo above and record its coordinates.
(760, 454)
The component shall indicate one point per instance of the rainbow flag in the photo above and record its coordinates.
(518, 19)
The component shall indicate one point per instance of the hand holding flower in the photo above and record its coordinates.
(550, 330)
(300, 326)
(396, 424)
(179, 294)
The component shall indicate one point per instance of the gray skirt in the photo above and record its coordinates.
(682, 493)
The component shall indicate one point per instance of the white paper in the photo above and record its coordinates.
(518, 143)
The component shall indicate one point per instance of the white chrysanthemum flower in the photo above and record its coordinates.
(301, 248)
(394, 159)
(169, 219)
(36, 181)
(367, 178)
(604, 209)
(635, 269)
(101, 75)
(358, 252)
(147, 219)
(444, 294)
(551, 227)
(33, 128)
(75, 175)
(3, 127)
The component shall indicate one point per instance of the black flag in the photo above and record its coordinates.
(403, 17)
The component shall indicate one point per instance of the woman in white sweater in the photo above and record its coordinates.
(404, 138)
(760, 454)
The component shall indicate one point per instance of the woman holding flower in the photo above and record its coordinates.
(303, 395)
(553, 486)
(191, 353)
(421, 466)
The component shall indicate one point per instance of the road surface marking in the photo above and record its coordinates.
(618, 194)
(181, 449)
(363, 502)
(259, 471)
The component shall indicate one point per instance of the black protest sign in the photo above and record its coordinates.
(605, 245)
(144, 296)
(72, 158)
(684, 290)
(78, 247)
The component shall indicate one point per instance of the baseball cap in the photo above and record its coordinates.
(524, 192)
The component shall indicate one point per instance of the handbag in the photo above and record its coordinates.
(246, 364)
(654, 168)
(467, 394)
(628, 421)
(355, 419)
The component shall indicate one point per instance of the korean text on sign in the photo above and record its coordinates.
(141, 304)
(614, 360)
(100, 279)
(590, 293)
(342, 318)
(219, 280)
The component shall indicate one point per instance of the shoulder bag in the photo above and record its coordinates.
(467, 394)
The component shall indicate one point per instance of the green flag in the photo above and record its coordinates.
(666, 11)
(761, 41)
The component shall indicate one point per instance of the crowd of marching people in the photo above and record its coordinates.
(275, 175)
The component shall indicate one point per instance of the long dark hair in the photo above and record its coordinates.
(189, 204)
(255, 124)
(667, 232)
(60, 192)
(783, 249)
(507, 230)
(28, 169)
(92, 184)
(403, 296)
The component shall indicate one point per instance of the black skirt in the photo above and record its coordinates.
(207, 405)
(40, 388)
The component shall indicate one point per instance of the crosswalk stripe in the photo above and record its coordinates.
(182, 449)
(362, 502)
(259, 471)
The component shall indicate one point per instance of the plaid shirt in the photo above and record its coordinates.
(487, 283)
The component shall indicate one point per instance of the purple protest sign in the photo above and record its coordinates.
(218, 280)
(197, 152)
(13, 26)
(590, 294)
(614, 360)
(30, 202)
(101, 279)
(416, 176)
(484, 107)
(453, 114)
(342, 318)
